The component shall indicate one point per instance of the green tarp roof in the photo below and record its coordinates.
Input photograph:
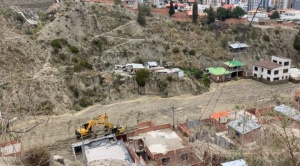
(234, 63)
(218, 71)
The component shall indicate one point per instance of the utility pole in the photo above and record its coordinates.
(173, 117)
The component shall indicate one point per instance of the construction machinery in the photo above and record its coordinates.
(86, 129)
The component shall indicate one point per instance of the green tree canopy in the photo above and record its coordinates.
(142, 11)
(195, 12)
(210, 15)
(141, 77)
(297, 42)
(171, 9)
(238, 12)
(275, 15)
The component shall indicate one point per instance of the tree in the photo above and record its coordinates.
(171, 10)
(141, 77)
(141, 17)
(297, 42)
(195, 12)
(221, 13)
(238, 12)
(210, 15)
(206, 81)
(275, 15)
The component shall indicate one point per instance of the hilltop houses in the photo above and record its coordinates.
(276, 70)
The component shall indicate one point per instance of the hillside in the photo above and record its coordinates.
(66, 63)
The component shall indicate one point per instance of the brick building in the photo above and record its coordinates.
(162, 145)
(243, 130)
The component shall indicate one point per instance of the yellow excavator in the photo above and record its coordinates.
(86, 129)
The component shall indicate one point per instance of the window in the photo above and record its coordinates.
(276, 79)
(280, 63)
(184, 156)
(269, 71)
(268, 78)
(285, 70)
(165, 161)
(255, 68)
(276, 72)
(274, 61)
(286, 63)
(262, 69)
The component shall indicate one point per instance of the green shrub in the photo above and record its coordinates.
(58, 43)
(74, 49)
(85, 102)
(170, 78)
(224, 42)
(206, 81)
(266, 38)
(82, 65)
(75, 60)
(192, 52)
(175, 50)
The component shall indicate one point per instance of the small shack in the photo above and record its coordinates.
(234, 47)
(243, 130)
(221, 117)
(219, 74)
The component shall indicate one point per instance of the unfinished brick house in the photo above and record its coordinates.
(162, 145)
(243, 130)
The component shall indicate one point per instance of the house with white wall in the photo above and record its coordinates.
(275, 70)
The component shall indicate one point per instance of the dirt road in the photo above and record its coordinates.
(58, 131)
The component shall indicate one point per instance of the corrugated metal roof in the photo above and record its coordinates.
(238, 45)
(234, 63)
(240, 162)
(267, 64)
(218, 71)
(288, 111)
(243, 125)
(135, 66)
(152, 64)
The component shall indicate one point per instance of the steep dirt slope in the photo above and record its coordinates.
(65, 64)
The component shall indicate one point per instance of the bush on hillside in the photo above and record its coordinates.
(74, 49)
(37, 156)
(192, 52)
(82, 65)
(175, 50)
(266, 38)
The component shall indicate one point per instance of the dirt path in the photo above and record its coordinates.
(58, 131)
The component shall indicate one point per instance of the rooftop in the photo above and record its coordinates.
(152, 63)
(238, 45)
(267, 64)
(288, 111)
(104, 148)
(162, 141)
(240, 162)
(234, 63)
(243, 125)
(226, 6)
(218, 115)
(218, 70)
(135, 65)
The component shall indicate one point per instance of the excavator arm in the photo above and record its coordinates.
(103, 119)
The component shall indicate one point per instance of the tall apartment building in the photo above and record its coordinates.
(284, 4)
(212, 3)
(253, 4)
